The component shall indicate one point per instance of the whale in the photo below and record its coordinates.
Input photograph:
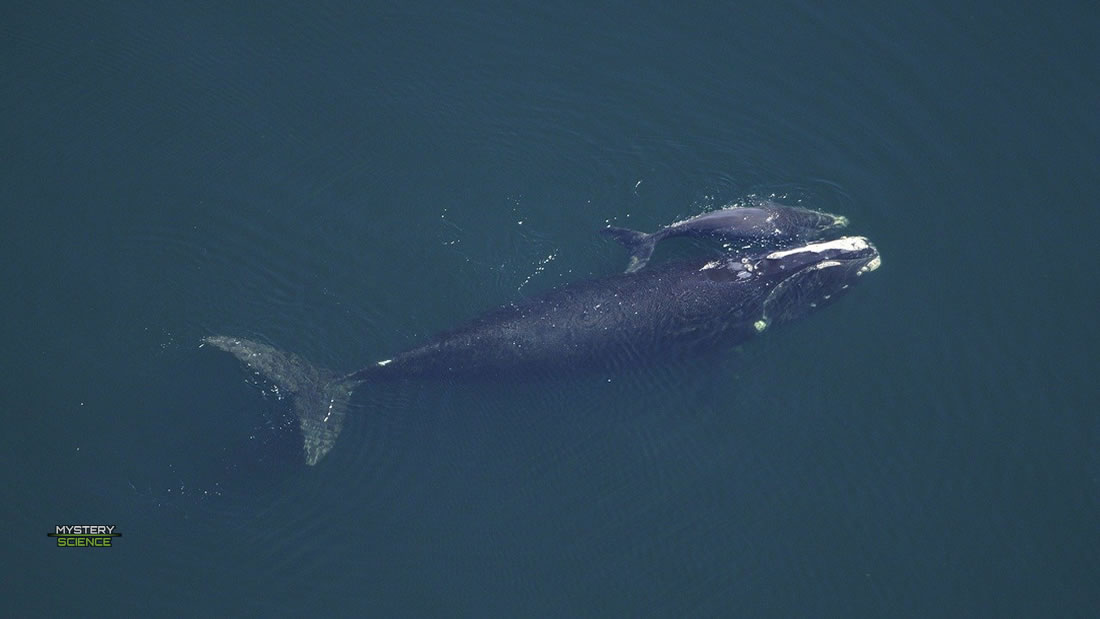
(611, 323)
(765, 223)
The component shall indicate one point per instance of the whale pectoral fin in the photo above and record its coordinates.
(320, 399)
(639, 244)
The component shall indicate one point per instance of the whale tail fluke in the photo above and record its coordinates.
(320, 397)
(639, 244)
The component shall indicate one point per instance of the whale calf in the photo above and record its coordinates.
(773, 223)
(611, 323)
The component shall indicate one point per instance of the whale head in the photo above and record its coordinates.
(803, 278)
(795, 222)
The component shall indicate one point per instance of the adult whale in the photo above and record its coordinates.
(766, 223)
(608, 323)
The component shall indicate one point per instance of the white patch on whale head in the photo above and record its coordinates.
(386, 362)
(710, 265)
(846, 243)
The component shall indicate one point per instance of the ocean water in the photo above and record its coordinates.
(344, 179)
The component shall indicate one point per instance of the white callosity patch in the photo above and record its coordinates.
(846, 243)
(386, 362)
(875, 263)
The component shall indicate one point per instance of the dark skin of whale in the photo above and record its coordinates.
(597, 324)
(612, 323)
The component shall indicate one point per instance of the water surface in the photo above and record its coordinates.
(343, 180)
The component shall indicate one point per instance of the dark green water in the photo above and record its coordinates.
(343, 180)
